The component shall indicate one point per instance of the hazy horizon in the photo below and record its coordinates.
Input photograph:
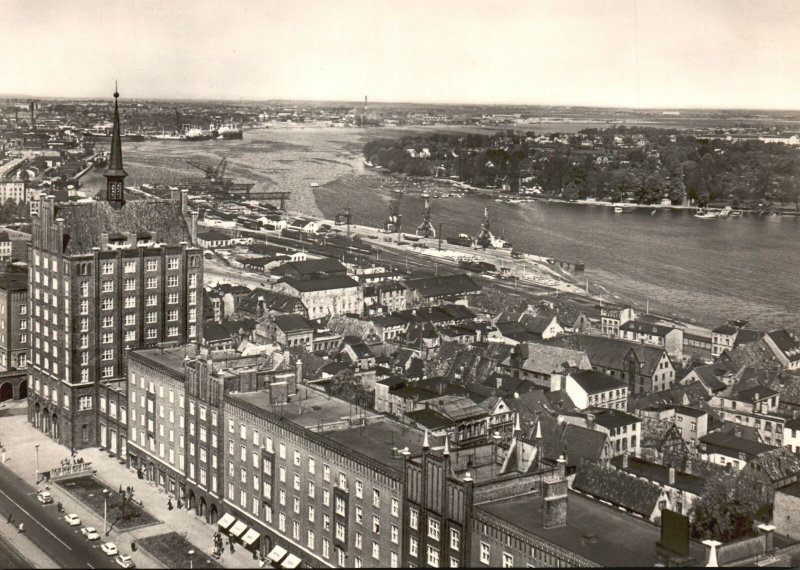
(627, 54)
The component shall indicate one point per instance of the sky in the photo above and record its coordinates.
(626, 53)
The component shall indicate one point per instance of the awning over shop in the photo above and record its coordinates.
(276, 553)
(290, 562)
(250, 537)
(226, 521)
(238, 529)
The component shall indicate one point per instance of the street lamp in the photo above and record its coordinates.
(191, 553)
(105, 511)
(37, 462)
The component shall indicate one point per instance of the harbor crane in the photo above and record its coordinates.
(216, 173)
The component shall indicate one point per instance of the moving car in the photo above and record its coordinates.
(109, 548)
(45, 497)
(72, 519)
(125, 561)
(90, 533)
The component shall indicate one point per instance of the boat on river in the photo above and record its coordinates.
(706, 214)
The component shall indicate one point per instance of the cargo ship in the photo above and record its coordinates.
(230, 131)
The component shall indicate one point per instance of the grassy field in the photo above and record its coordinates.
(171, 549)
(89, 491)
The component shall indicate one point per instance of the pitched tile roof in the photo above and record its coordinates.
(618, 488)
(786, 344)
(546, 359)
(292, 323)
(611, 353)
(85, 221)
(443, 285)
(311, 266)
(778, 464)
(321, 284)
(594, 382)
(660, 474)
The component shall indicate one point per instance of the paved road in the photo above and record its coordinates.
(10, 558)
(45, 526)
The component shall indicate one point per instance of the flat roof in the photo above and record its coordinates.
(308, 408)
(377, 440)
(619, 539)
(171, 358)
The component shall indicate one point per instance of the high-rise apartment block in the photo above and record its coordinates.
(105, 277)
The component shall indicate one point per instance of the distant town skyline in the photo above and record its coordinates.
(719, 54)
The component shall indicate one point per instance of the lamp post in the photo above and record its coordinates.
(37, 462)
(191, 553)
(105, 511)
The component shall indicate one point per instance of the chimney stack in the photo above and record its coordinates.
(672, 476)
(554, 511)
(590, 421)
(625, 461)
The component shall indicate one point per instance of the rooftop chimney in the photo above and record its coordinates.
(672, 476)
(554, 511)
(625, 461)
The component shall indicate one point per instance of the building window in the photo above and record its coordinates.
(340, 508)
(395, 507)
(433, 556)
(376, 524)
(84, 403)
(484, 553)
(376, 550)
(151, 283)
(172, 281)
(455, 539)
(376, 498)
(412, 546)
(413, 518)
(107, 267)
(395, 534)
(172, 298)
(150, 265)
(433, 529)
(359, 515)
(508, 560)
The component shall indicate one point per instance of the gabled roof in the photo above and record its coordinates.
(660, 474)
(292, 323)
(594, 382)
(612, 353)
(321, 284)
(618, 488)
(311, 267)
(578, 444)
(430, 419)
(786, 344)
(85, 221)
(642, 327)
(726, 329)
(546, 359)
(611, 419)
(778, 464)
(720, 441)
(444, 285)
(655, 432)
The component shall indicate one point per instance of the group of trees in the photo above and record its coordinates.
(728, 507)
(642, 164)
(14, 211)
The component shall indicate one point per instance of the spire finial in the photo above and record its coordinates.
(425, 443)
(539, 429)
(116, 90)
(446, 446)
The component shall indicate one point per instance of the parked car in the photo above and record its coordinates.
(72, 519)
(109, 548)
(45, 497)
(90, 533)
(125, 561)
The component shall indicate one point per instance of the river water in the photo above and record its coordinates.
(707, 270)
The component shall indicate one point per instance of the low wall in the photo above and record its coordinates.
(741, 549)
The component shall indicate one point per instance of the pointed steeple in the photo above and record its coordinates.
(425, 443)
(115, 174)
(446, 446)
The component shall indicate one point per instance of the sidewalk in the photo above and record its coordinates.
(19, 439)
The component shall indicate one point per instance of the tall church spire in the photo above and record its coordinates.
(115, 174)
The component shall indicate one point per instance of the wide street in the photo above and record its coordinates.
(45, 526)
(9, 557)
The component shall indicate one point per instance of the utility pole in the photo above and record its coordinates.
(440, 236)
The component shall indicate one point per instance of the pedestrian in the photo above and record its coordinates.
(133, 546)
(232, 549)
(10, 518)
(180, 503)
(169, 504)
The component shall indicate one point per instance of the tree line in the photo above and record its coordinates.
(642, 164)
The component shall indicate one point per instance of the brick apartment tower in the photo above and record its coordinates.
(104, 277)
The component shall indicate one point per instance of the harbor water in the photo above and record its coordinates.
(707, 270)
